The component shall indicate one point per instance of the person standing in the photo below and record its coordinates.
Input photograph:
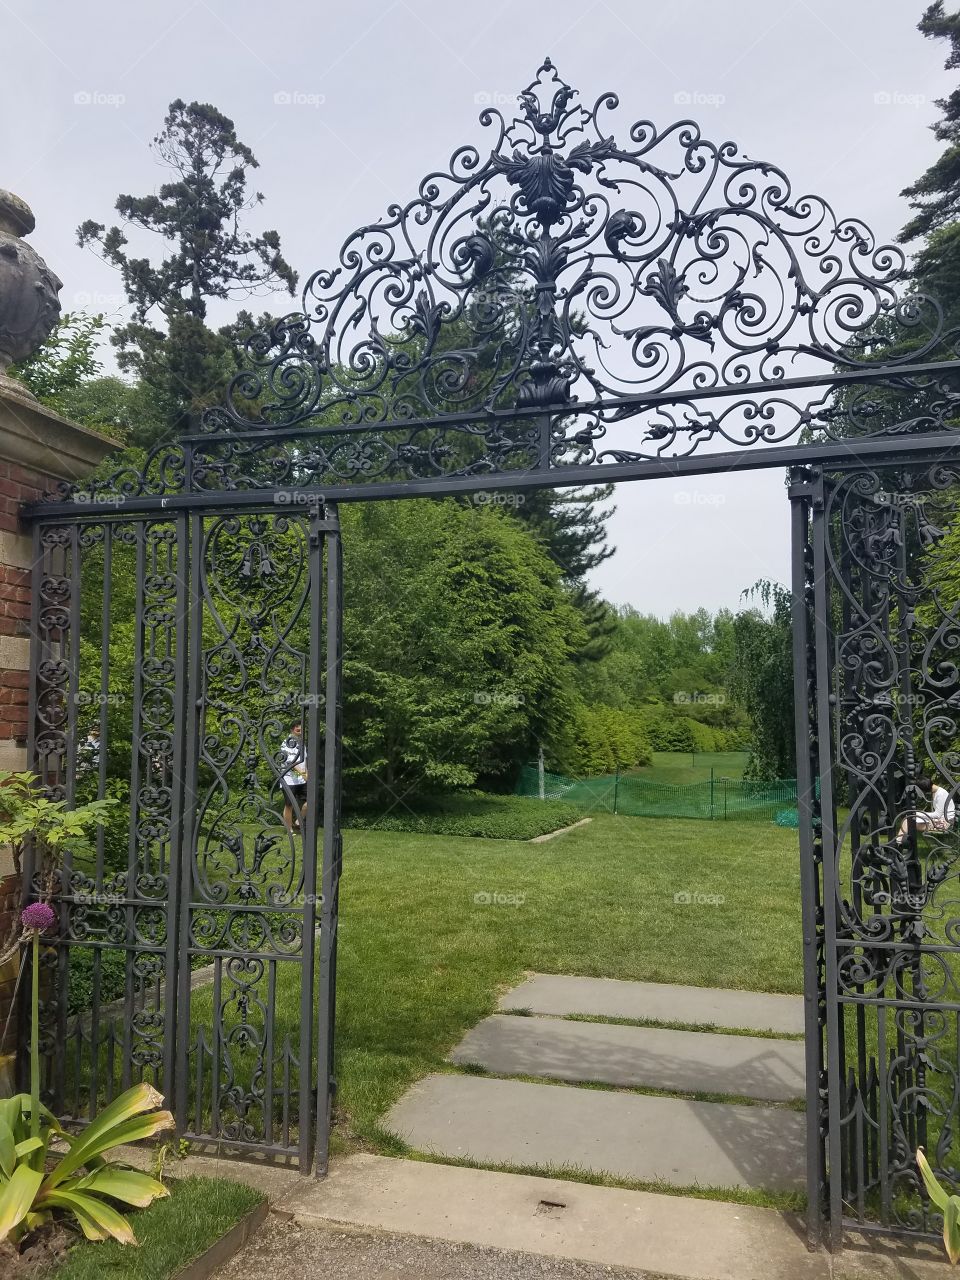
(293, 758)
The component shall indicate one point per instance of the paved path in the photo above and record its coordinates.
(296, 1252)
(657, 1002)
(649, 1057)
(645, 1139)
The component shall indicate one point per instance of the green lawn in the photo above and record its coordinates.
(171, 1233)
(679, 767)
(421, 961)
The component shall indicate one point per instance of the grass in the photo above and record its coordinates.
(421, 961)
(671, 1024)
(434, 927)
(171, 1232)
(679, 767)
(788, 1201)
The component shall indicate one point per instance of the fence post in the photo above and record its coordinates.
(541, 788)
(711, 792)
(724, 797)
(616, 790)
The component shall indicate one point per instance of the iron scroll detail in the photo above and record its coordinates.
(568, 297)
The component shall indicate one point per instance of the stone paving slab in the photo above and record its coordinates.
(643, 1138)
(657, 1001)
(648, 1057)
(545, 1219)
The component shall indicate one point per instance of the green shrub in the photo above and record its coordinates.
(112, 977)
(608, 739)
(471, 813)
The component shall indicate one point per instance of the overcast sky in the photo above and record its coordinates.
(347, 106)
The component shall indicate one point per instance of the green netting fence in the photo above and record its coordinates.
(632, 794)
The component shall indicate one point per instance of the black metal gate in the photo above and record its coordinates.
(188, 950)
(561, 309)
(877, 638)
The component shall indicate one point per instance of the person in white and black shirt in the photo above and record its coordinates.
(293, 759)
(941, 815)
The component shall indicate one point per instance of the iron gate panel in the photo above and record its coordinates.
(186, 947)
(559, 308)
(882, 909)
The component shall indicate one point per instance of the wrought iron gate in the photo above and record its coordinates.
(188, 944)
(877, 612)
(562, 308)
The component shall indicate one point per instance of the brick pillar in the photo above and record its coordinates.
(38, 448)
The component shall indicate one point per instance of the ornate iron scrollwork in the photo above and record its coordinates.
(564, 297)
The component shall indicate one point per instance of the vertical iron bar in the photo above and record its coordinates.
(332, 847)
(177, 814)
(133, 852)
(314, 801)
(69, 784)
(39, 652)
(800, 516)
(193, 721)
(822, 599)
(105, 597)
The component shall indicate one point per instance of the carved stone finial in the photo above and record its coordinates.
(29, 306)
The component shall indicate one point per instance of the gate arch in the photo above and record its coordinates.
(563, 306)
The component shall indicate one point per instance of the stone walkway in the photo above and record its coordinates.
(680, 1141)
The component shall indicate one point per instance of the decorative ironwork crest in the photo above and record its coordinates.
(567, 298)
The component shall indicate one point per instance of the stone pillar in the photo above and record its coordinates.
(38, 449)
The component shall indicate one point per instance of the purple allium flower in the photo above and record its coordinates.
(39, 916)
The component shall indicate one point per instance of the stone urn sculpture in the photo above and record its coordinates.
(29, 306)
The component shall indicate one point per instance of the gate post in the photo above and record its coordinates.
(804, 492)
(332, 839)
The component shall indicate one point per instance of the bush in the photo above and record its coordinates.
(472, 813)
(112, 977)
(608, 739)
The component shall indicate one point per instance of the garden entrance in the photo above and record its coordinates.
(558, 309)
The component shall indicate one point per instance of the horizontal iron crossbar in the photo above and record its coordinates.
(839, 455)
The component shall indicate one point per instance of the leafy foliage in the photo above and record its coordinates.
(81, 1183)
(66, 360)
(610, 738)
(26, 813)
(764, 680)
(458, 640)
(472, 813)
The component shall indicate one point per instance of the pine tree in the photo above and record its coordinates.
(205, 255)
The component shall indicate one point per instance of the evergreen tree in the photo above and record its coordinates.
(206, 255)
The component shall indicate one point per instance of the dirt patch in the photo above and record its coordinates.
(36, 1253)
